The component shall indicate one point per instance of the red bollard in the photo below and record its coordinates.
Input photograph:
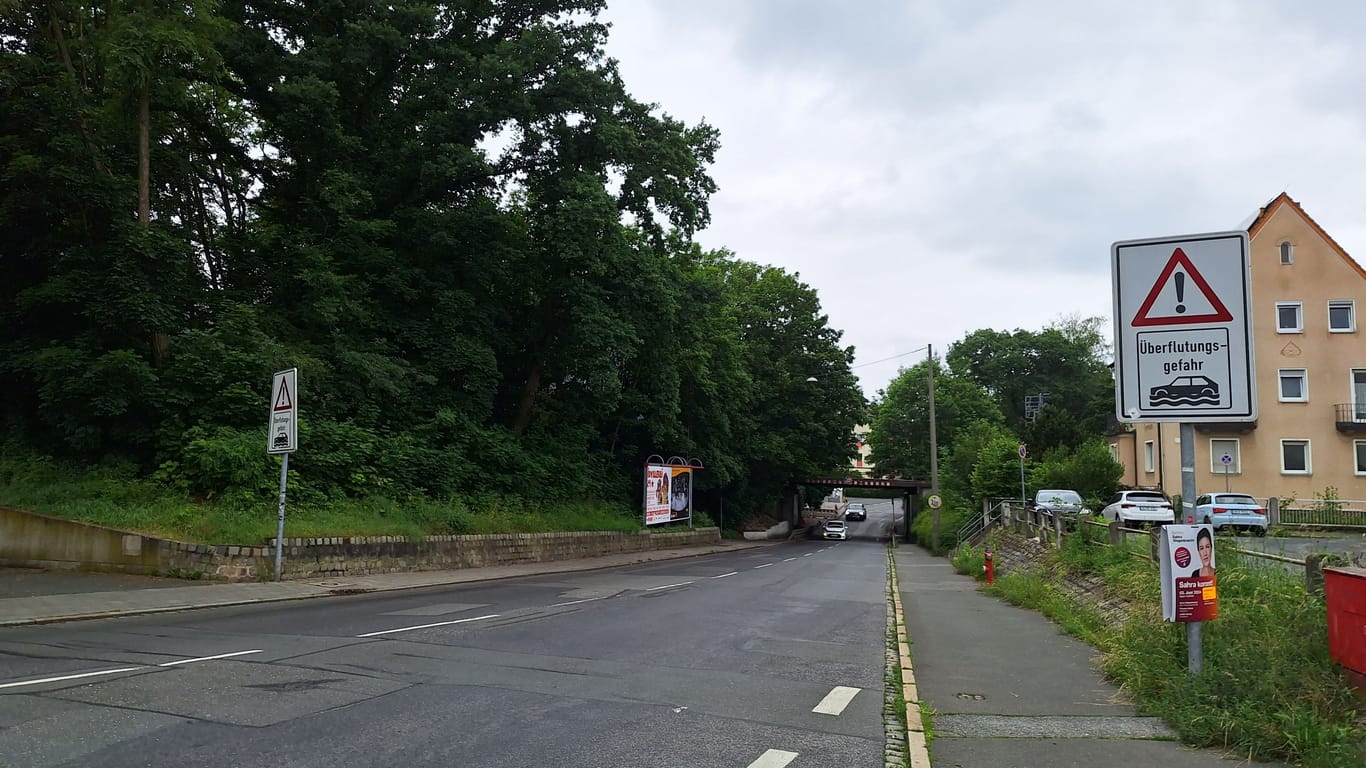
(989, 567)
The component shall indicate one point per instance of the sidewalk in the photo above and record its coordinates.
(1008, 688)
(109, 594)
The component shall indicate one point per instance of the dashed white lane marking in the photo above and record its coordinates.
(774, 758)
(207, 658)
(788, 559)
(765, 565)
(836, 700)
(427, 626)
(724, 575)
(809, 554)
(71, 677)
(669, 586)
(576, 602)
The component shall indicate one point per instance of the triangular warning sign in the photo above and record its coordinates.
(1179, 298)
(283, 402)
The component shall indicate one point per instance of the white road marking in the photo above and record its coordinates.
(809, 554)
(428, 626)
(669, 586)
(836, 700)
(71, 677)
(788, 559)
(765, 565)
(576, 602)
(724, 575)
(207, 658)
(774, 758)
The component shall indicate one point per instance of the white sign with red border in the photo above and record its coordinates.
(284, 413)
(1183, 329)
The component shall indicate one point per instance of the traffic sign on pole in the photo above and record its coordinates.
(1183, 329)
(283, 436)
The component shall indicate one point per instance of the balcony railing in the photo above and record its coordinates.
(1351, 417)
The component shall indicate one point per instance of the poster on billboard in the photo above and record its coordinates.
(680, 493)
(1189, 589)
(657, 477)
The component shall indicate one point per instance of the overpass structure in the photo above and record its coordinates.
(910, 489)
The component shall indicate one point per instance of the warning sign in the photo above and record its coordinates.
(1183, 335)
(1181, 296)
(283, 426)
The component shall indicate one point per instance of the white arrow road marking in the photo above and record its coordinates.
(774, 758)
(427, 626)
(836, 700)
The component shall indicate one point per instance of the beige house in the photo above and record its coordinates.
(861, 465)
(1311, 379)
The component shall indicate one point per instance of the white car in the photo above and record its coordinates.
(1231, 510)
(1135, 509)
(834, 529)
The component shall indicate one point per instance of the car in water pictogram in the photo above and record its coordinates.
(1187, 386)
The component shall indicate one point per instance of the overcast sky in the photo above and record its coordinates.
(933, 167)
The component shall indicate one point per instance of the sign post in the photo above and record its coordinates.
(1183, 347)
(1023, 451)
(282, 437)
(1226, 460)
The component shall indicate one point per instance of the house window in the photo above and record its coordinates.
(1114, 451)
(1287, 253)
(1218, 449)
(1342, 316)
(1148, 456)
(1289, 318)
(1295, 457)
(1294, 387)
(1359, 448)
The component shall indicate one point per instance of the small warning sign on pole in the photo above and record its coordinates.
(284, 413)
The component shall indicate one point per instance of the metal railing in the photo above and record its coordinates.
(1337, 513)
(968, 532)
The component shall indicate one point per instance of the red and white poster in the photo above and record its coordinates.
(1189, 585)
(657, 477)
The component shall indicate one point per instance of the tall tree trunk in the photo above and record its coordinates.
(145, 155)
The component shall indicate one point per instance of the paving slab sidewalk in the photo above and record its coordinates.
(102, 601)
(1008, 688)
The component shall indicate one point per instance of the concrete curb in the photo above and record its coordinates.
(917, 744)
(307, 591)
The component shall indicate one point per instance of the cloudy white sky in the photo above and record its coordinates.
(933, 167)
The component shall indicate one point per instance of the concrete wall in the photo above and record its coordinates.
(27, 539)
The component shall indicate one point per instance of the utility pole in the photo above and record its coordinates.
(934, 446)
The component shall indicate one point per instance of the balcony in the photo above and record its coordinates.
(1351, 418)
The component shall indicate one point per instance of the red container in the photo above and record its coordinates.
(1345, 590)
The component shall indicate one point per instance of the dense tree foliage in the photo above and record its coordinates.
(900, 433)
(454, 219)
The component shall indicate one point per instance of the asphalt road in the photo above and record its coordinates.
(766, 657)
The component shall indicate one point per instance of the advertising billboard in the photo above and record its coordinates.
(657, 501)
(680, 493)
(1189, 589)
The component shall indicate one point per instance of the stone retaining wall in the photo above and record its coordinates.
(27, 539)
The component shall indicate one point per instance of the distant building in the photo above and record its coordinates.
(861, 464)
(1310, 371)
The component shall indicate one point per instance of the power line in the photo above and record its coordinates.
(893, 357)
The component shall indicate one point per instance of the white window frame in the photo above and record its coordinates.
(1304, 385)
(1114, 451)
(1216, 467)
(1351, 306)
(1356, 464)
(1308, 456)
(1148, 464)
(1299, 316)
(1287, 252)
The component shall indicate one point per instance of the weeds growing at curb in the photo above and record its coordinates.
(1268, 689)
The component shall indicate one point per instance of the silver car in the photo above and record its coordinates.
(1059, 501)
(834, 529)
(1237, 510)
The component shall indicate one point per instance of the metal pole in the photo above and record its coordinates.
(1023, 500)
(280, 526)
(1194, 646)
(934, 446)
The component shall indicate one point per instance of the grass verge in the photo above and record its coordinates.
(1268, 689)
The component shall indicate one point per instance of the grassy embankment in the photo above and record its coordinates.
(1268, 689)
(116, 498)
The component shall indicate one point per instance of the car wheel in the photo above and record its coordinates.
(1259, 531)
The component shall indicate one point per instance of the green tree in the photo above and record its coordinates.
(899, 435)
(1089, 470)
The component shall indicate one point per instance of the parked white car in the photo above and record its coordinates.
(1237, 510)
(1135, 509)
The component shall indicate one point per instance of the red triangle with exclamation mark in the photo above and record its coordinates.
(1218, 314)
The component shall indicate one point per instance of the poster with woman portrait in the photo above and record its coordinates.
(680, 493)
(1189, 585)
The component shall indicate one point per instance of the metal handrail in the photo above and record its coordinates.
(977, 524)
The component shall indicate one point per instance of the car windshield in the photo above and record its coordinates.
(834, 524)
(856, 505)
(1146, 497)
(1059, 497)
(1235, 498)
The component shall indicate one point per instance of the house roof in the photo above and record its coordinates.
(1282, 200)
